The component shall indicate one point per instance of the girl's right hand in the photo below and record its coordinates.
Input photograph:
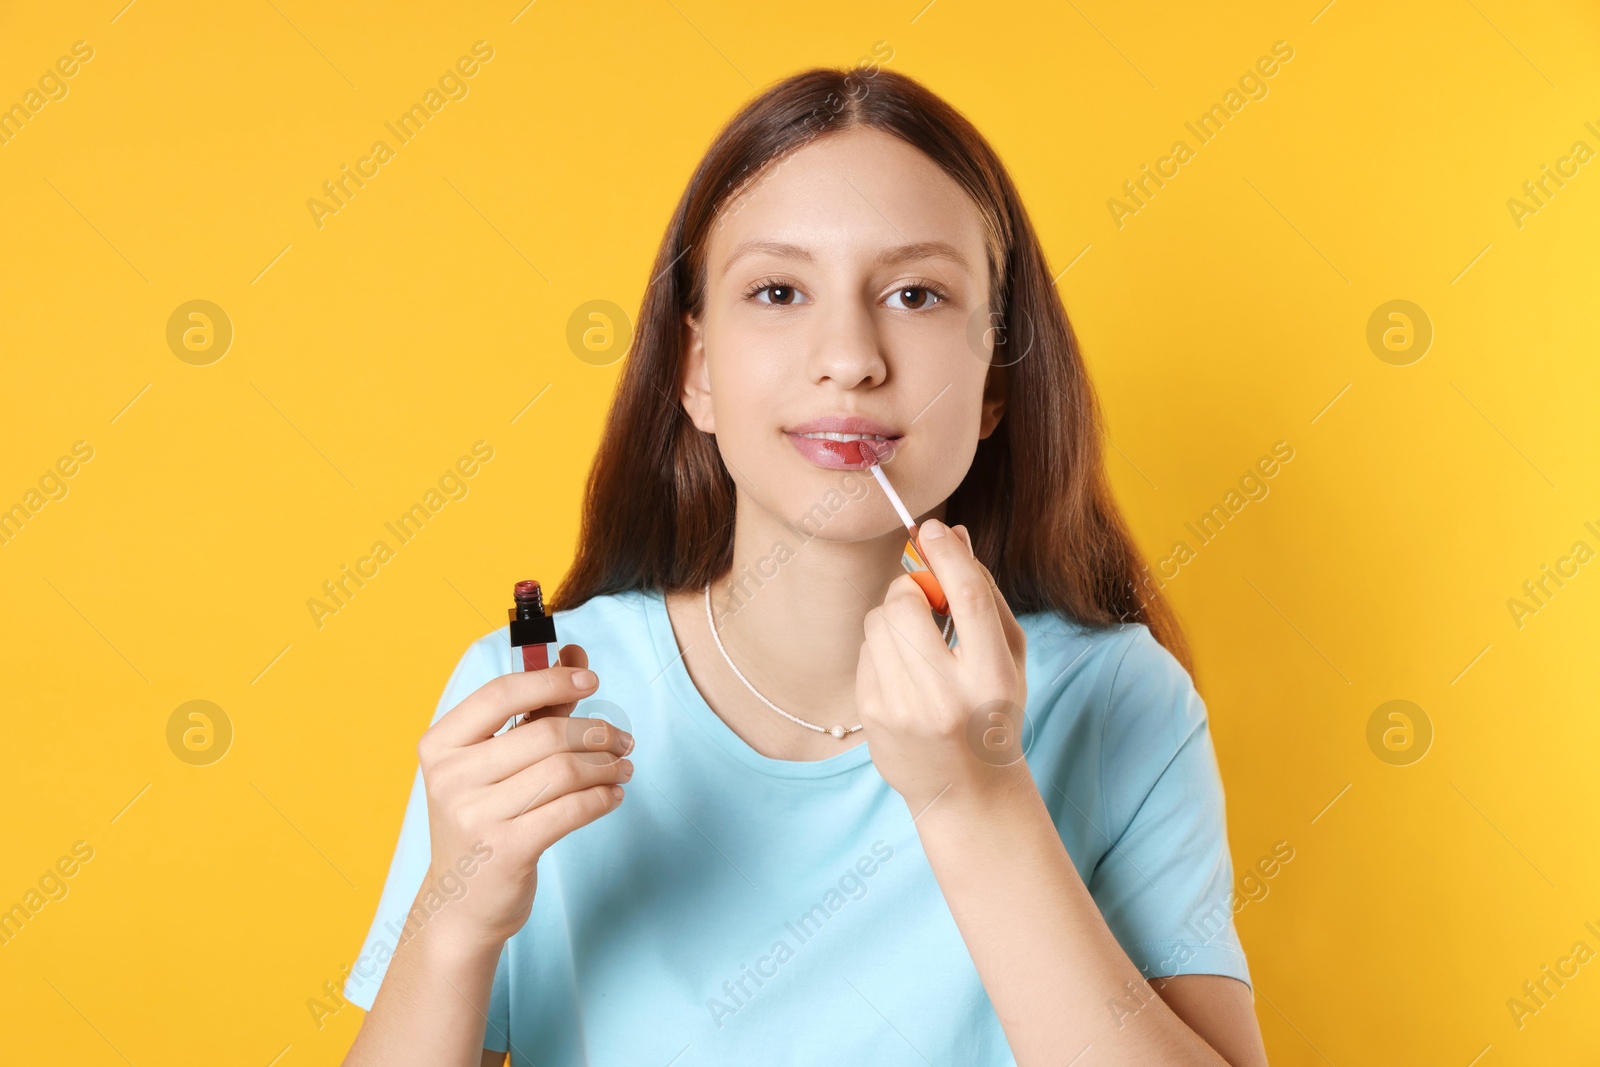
(495, 803)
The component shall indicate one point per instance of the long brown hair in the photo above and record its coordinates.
(659, 509)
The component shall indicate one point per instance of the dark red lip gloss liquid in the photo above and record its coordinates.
(533, 633)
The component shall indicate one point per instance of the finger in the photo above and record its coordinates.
(917, 637)
(898, 689)
(568, 656)
(486, 709)
(538, 829)
(550, 779)
(595, 741)
(1016, 636)
(971, 601)
(1014, 631)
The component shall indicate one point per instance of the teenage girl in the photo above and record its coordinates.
(848, 834)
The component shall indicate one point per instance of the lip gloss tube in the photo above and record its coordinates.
(911, 557)
(533, 633)
(532, 630)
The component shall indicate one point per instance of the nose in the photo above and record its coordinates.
(846, 349)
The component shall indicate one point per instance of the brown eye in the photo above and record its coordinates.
(776, 294)
(915, 297)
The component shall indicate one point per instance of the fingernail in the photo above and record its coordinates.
(933, 529)
(627, 744)
(583, 679)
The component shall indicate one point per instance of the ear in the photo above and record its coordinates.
(694, 392)
(995, 387)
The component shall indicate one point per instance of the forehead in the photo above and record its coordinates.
(850, 195)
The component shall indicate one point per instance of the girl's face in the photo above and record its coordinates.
(849, 280)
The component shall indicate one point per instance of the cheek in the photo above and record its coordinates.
(753, 390)
(949, 395)
(753, 393)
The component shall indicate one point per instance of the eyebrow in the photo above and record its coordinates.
(897, 254)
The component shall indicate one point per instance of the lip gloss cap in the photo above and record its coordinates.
(529, 624)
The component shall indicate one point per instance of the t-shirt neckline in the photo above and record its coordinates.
(673, 674)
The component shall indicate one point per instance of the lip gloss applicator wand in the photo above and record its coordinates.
(911, 556)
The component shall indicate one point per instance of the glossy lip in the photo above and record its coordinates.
(844, 455)
(844, 424)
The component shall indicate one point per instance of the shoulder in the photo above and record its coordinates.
(1153, 729)
(1149, 686)
(1152, 705)
(1071, 668)
(1110, 707)
(1114, 671)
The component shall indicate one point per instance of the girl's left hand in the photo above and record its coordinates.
(940, 720)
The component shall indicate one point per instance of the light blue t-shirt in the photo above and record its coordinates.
(742, 909)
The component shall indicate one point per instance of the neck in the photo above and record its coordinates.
(791, 609)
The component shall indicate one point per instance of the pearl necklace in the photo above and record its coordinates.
(837, 730)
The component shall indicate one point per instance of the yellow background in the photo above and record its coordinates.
(370, 353)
